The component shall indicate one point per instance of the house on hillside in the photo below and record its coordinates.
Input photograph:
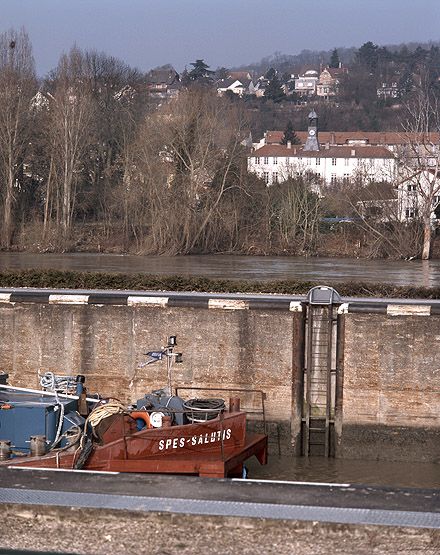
(305, 84)
(163, 82)
(388, 90)
(236, 86)
(328, 83)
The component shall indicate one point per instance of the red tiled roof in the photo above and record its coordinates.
(239, 75)
(337, 71)
(274, 137)
(332, 152)
(343, 137)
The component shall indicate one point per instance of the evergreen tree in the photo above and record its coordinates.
(274, 91)
(270, 74)
(334, 60)
(290, 135)
(367, 56)
(200, 71)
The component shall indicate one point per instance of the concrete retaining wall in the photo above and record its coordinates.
(390, 360)
(391, 391)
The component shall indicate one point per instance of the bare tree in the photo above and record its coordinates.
(120, 104)
(188, 159)
(419, 168)
(17, 86)
(70, 115)
(374, 208)
(298, 214)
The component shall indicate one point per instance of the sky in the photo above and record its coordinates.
(229, 33)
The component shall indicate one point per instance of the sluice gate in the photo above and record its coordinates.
(320, 372)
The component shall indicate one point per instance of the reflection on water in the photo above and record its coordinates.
(325, 270)
(336, 471)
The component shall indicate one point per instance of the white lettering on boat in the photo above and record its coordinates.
(201, 439)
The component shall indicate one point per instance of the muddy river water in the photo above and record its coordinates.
(324, 270)
(338, 471)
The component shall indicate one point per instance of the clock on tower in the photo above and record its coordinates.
(312, 143)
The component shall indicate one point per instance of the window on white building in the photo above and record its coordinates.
(308, 161)
(318, 161)
(266, 160)
(266, 177)
(346, 178)
(333, 161)
(275, 177)
(410, 212)
(257, 160)
(347, 162)
(333, 179)
(275, 160)
(411, 187)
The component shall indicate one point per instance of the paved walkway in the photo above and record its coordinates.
(338, 503)
(96, 514)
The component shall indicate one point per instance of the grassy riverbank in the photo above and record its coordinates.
(56, 279)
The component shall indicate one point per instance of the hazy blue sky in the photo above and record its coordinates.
(148, 33)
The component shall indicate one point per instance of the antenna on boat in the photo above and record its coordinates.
(169, 354)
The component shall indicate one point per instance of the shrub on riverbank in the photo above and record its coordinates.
(56, 279)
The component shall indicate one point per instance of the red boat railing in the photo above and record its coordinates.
(248, 410)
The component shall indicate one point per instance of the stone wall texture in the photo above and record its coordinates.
(390, 363)
(391, 386)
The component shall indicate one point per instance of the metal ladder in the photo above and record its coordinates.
(319, 378)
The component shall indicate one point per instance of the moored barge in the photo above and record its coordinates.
(161, 434)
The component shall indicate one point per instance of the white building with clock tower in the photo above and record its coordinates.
(327, 164)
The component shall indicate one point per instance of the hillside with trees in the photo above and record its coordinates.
(99, 157)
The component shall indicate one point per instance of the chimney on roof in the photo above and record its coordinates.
(294, 151)
(327, 146)
(332, 139)
(353, 152)
(289, 144)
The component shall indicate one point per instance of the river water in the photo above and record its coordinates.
(337, 471)
(322, 270)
